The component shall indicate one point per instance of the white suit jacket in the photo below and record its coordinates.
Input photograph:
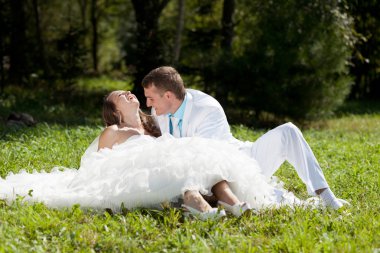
(203, 117)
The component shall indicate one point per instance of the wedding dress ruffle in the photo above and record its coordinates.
(146, 171)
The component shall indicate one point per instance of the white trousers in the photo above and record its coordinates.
(286, 143)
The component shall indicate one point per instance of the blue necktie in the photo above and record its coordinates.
(170, 125)
(174, 127)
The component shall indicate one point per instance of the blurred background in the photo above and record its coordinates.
(265, 61)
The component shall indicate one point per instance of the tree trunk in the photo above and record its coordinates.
(226, 45)
(180, 23)
(148, 52)
(227, 25)
(2, 75)
(2, 53)
(83, 9)
(40, 44)
(94, 24)
(18, 42)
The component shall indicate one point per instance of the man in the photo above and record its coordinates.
(186, 112)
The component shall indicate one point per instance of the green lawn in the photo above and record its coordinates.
(347, 147)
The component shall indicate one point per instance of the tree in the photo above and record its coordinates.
(366, 56)
(201, 45)
(227, 32)
(180, 23)
(147, 54)
(94, 41)
(18, 42)
(293, 62)
(83, 12)
(227, 25)
(40, 57)
(4, 37)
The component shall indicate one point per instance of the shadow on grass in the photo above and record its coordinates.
(266, 120)
(82, 106)
(58, 107)
(76, 103)
(67, 108)
(359, 107)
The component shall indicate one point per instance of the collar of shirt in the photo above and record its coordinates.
(180, 111)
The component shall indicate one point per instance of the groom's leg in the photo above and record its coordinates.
(286, 142)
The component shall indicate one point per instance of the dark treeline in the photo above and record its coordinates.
(294, 58)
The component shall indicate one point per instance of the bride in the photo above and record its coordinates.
(130, 164)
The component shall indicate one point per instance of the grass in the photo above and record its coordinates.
(347, 147)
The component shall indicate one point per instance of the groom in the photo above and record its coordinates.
(187, 112)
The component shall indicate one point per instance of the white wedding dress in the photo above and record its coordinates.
(146, 171)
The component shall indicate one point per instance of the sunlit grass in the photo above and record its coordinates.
(348, 149)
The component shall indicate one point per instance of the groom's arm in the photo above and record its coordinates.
(214, 125)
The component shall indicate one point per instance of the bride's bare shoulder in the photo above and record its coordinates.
(108, 137)
(112, 135)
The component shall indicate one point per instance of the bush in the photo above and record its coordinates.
(295, 63)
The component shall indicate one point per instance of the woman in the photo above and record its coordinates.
(124, 119)
(130, 164)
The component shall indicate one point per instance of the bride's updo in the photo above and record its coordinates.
(111, 117)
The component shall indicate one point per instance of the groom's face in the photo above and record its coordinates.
(157, 99)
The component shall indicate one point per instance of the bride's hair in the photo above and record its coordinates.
(112, 117)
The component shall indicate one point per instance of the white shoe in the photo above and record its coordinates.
(214, 213)
(344, 202)
(336, 203)
(237, 209)
(329, 199)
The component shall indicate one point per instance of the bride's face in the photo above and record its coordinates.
(125, 101)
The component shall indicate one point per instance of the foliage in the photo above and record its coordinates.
(295, 63)
(69, 56)
(347, 150)
(202, 35)
(366, 57)
(58, 38)
(289, 58)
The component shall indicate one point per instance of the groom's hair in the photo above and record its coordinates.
(165, 78)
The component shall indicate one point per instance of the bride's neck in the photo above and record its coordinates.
(132, 121)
